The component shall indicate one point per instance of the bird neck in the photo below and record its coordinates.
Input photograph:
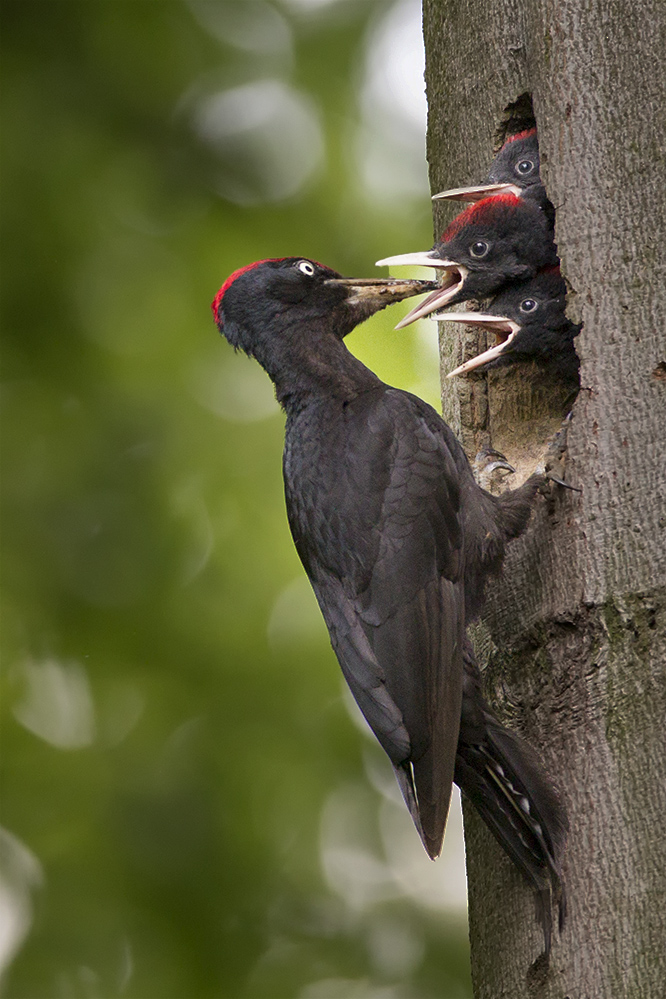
(306, 365)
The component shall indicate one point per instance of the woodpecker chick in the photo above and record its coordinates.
(518, 163)
(515, 170)
(529, 321)
(496, 240)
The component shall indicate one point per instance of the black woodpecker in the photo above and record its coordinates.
(515, 170)
(397, 540)
(529, 322)
(496, 240)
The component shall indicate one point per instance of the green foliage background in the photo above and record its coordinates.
(174, 731)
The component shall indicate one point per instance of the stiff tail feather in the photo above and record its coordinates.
(505, 781)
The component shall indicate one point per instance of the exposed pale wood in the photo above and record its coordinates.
(574, 637)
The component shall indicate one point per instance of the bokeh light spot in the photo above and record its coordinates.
(267, 138)
(57, 705)
(233, 386)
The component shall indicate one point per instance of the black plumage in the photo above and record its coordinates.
(518, 163)
(503, 778)
(497, 240)
(530, 323)
(397, 540)
(515, 170)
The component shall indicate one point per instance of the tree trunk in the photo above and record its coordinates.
(573, 637)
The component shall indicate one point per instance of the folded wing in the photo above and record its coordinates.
(379, 533)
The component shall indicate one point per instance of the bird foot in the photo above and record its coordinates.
(552, 461)
(490, 467)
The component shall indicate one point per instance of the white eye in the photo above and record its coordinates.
(305, 267)
(524, 167)
(479, 249)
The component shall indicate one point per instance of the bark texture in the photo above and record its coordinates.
(574, 635)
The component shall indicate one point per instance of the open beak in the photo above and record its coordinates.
(477, 193)
(504, 329)
(452, 280)
(378, 292)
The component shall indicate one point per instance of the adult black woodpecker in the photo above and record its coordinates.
(494, 241)
(397, 540)
(529, 321)
(515, 170)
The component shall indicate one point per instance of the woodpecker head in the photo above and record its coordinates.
(530, 324)
(498, 239)
(515, 170)
(271, 299)
(517, 161)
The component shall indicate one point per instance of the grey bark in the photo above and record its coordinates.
(574, 636)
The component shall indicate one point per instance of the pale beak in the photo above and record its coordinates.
(379, 292)
(420, 259)
(504, 329)
(451, 282)
(477, 193)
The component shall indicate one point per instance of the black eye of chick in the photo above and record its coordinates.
(528, 305)
(479, 249)
(524, 167)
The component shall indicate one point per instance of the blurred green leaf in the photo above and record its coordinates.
(174, 731)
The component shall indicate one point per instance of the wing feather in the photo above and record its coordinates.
(377, 523)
